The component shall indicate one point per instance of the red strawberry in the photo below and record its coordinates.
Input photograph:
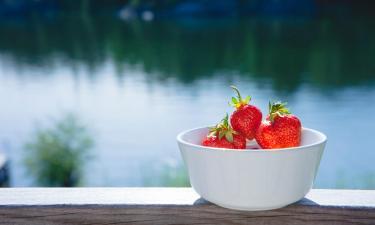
(246, 118)
(223, 136)
(280, 130)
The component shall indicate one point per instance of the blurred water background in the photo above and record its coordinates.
(136, 73)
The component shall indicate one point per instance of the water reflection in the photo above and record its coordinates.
(284, 51)
(56, 155)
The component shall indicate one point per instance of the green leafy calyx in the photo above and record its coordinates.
(239, 101)
(223, 129)
(277, 109)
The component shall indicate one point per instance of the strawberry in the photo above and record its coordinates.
(223, 136)
(246, 118)
(281, 129)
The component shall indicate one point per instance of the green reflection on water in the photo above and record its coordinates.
(327, 52)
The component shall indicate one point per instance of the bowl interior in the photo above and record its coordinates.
(195, 136)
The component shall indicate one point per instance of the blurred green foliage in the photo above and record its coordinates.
(364, 181)
(172, 174)
(56, 155)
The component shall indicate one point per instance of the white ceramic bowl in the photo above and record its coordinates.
(251, 179)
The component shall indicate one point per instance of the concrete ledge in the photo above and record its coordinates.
(173, 206)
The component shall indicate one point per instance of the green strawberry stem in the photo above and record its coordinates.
(223, 129)
(237, 91)
(239, 101)
(277, 109)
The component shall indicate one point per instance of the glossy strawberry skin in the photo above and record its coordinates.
(283, 132)
(246, 120)
(239, 142)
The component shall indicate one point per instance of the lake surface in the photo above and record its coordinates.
(138, 84)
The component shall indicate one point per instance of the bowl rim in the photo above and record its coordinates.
(181, 134)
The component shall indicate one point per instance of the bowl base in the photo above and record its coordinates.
(260, 208)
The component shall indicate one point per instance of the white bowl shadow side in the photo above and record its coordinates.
(251, 179)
